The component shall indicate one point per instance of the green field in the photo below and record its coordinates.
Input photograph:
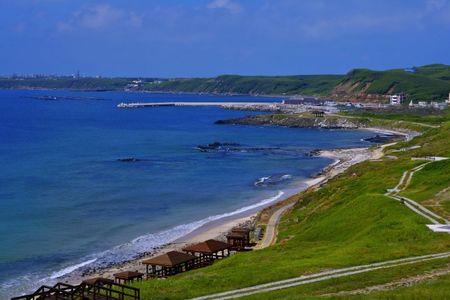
(347, 222)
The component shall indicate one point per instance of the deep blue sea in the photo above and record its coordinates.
(66, 199)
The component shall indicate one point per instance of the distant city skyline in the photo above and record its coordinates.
(211, 37)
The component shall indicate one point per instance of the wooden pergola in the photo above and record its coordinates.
(169, 264)
(318, 113)
(127, 276)
(239, 238)
(98, 281)
(209, 250)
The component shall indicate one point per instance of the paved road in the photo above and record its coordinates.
(271, 228)
(301, 280)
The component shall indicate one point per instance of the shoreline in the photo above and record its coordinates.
(217, 229)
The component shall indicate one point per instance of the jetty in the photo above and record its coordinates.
(220, 104)
(248, 106)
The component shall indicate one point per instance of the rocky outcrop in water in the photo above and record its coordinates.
(383, 138)
(217, 146)
(129, 159)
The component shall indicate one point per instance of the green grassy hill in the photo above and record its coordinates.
(269, 85)
(347, 222)
(431, 82)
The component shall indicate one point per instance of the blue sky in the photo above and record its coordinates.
(210, 37)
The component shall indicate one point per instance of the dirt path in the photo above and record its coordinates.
(408, 281)
(321, 276)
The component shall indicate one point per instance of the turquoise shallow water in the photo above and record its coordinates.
(66, 200)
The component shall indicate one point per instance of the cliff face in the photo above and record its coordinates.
(296, 121)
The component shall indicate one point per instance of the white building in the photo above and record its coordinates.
(397, 99)
(448, 100)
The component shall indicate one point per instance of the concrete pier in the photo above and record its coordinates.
(220, 104)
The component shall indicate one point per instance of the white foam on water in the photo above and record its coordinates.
(274, 179)
(70, 269)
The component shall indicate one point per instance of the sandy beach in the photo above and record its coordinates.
(343, 159)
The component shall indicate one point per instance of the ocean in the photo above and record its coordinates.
(85, 184)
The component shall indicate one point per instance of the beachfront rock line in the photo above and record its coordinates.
(295, 121)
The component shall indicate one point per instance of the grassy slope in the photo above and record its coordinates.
(430, 289)
(274, 85)
(436, 288)
(407, 115)
(347, 222)
(427, 182)
(431, 82)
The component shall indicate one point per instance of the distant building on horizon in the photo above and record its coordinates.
(397, 99)
(426, 104)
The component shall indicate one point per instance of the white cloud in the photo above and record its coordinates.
(228, 5)
(135, 20)
(432, 5)
(98, 17)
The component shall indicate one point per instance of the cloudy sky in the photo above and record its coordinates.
(210, 37)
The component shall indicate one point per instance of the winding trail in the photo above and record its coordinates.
(271, 227)
(419, 209)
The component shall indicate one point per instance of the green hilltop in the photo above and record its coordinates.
(430, 82)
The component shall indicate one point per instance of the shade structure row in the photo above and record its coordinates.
(194, 256)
